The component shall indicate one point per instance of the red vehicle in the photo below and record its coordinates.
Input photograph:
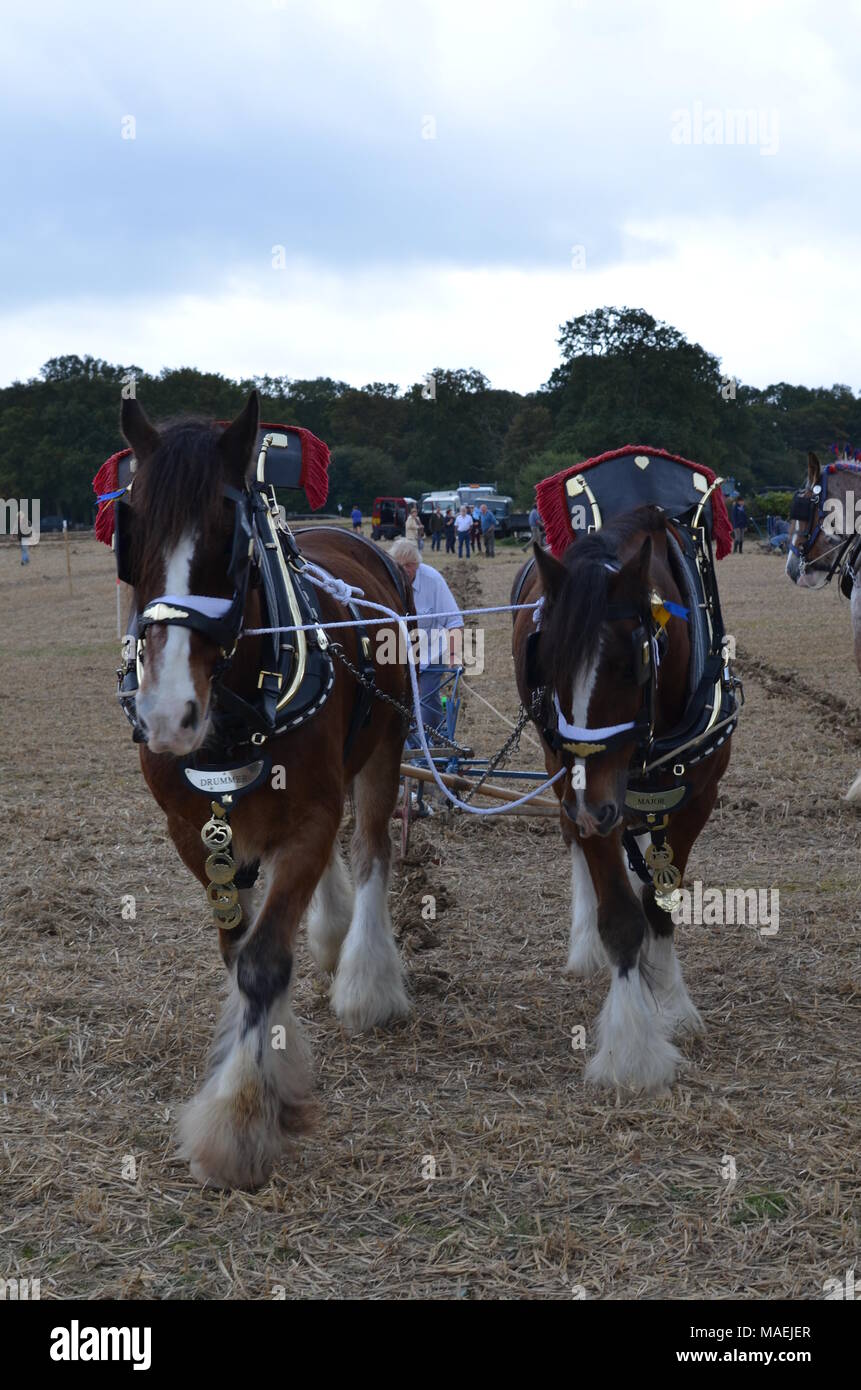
(389, 517)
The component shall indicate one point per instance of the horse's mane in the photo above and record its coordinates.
(177, 488)
(574, 622)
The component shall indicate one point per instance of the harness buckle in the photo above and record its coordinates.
(276, 676)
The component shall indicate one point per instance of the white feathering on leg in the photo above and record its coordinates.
(634, 1049)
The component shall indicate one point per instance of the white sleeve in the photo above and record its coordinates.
(447, 604)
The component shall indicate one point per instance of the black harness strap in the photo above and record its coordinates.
(636, 862)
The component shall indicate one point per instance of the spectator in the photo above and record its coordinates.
(431, 594)
(488, 530)
(535, 525)
(24, 531)
(449, 531)
(778, 537)
(356, 517)
(476, 527)
(463, 527)
(413, 529)
(739, 525)
(437, 527)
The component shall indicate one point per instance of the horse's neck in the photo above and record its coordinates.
(847, 491)
(672, 692)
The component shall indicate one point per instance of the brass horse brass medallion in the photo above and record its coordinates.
(222, 896)
(216, 834)
(220, 866)
(665, 876)
(222, 893)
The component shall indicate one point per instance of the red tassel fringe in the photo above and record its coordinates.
(315, 467)
(314, 478)
(550, 498)
(107, 480)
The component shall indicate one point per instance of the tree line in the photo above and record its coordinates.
(624, 377)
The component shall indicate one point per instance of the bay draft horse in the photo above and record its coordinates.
(255, 1095)
(584, 656)
(818, 544)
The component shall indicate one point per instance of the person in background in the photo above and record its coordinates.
(739, 525)
(431, 595)
(413, 529)
(463, 527)
(476, 527)
(535, 525)
(778, 533)
(23, 532)
(356, 517)
(437, 527)
(488, 530)
(449, 531)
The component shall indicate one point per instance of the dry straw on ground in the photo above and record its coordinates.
(542, 1186)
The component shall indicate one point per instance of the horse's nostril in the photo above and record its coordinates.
(191, 715)
(607, 816)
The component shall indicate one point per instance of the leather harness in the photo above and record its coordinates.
(296, 673)
(657, 784)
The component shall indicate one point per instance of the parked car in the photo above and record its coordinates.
(51, 523)
(389, 517)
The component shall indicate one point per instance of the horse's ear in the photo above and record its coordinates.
(814, 469)
(550, 572)
(238, 440)
(635, 572)
(140, 434)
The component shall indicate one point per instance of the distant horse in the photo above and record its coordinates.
(825, 540)
(192, 489)
(590, 676)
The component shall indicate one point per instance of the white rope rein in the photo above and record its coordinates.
(321, 579)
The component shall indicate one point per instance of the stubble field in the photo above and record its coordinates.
(543, 1187)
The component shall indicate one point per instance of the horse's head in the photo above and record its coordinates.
(189, 564)
(594, 659)
(816, 528)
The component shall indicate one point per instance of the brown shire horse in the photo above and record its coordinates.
(255, 1094)
(580, 671)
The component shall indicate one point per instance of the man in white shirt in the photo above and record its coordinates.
(463, 527)
(431, 595)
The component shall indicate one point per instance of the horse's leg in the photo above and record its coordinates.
(368, 988)
(659, 963)
(586, 955)
(330, 913)
(255, 1095)
(634, 1048)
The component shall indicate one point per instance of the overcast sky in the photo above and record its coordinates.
(368, 189)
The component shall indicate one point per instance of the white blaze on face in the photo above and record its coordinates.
(167, 687)
(581, 698)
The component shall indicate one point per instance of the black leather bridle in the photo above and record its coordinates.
(645, 640)
(808, 505)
